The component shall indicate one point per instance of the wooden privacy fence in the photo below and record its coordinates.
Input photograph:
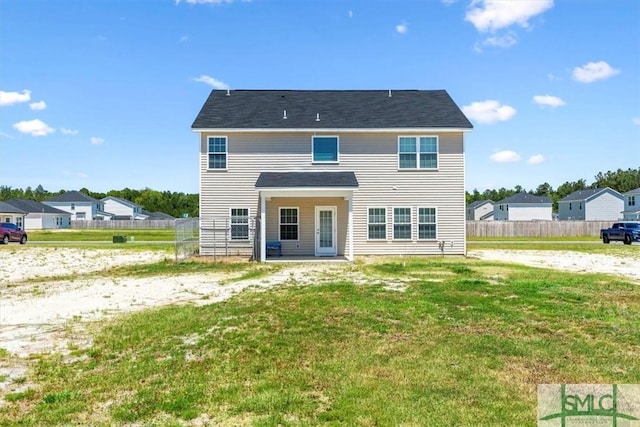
(126, 224)
(535, 228)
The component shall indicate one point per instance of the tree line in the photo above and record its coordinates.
(174, 204)
(178, 204)
(620, 180)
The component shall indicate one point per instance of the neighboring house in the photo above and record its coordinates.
(596, 204)
(10, 213)
(157, 215)
(39, 216)
(631, 210)
(123, 209)
(333, 173)
(79, 205)
(480, 210)
(523, 207)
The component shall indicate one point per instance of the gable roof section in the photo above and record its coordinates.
(635, 192)
(587, 194)
(307, 180)
(119, 200)
(72, 197)
(526, 198)
(8, 208)
(31, 206)
(336, 109)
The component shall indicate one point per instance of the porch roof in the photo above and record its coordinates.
(307, 180)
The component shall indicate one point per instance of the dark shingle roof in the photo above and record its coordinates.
(525, 198)
(31, 206)
(586, 194)
(157, 215)
(306, 179)
(72, 196)
(338, 109)
(8, 208)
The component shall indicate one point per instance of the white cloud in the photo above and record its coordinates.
(402, 28)
(536, 159)
(34, 127)
(594, 71)
(350, 14)
(66, 131)
(505, 156)
(492, 15)
(184, 39)
(10, 98)
(211, 81)
(553, 78)
(501, 41)
(636, 121)
(489, 111)
(95, 140)
(37, 106)
(549, 101)
(6, 135)
(76, 174)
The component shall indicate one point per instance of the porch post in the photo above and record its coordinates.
(350, 228)
(263, 228)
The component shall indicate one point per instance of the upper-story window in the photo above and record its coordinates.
(418, 152)
(217, 149)
(325, 149)
(632, 200)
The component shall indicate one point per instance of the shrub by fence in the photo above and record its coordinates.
(123, 224)
(535, 228)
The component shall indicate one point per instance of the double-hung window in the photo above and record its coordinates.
(426, 223)
(217, 149)
(377, 223)
(325, 149)
(289, 224)
(239, 224)
(418, 152)
(402, 223)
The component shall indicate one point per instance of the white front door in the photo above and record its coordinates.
(326, 231)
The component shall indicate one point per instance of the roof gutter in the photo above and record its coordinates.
(343, 130)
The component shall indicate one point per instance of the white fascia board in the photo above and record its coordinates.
(336, 130)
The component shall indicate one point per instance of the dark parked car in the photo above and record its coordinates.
(12, 233)
(628, 232)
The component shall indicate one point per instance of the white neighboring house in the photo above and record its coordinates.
(123, 209)
(12, 214)
(38, 216)
(80, 206)
(631, 210)
(523, 207)
(480, 210)
(594, 204)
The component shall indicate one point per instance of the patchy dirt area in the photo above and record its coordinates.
(40, 316)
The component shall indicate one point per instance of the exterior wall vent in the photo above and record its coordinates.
(317, 117)
(284, 116)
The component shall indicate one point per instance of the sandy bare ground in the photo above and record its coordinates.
(39, 316)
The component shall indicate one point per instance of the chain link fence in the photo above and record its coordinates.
(187, 238)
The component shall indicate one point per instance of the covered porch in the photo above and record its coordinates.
(306, 215)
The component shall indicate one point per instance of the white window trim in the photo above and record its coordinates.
(418, 223)
(326, 162)
(248, 225)
(386, 223)
(410, 223)
(226, 153)
(417, 152)
(280, 223)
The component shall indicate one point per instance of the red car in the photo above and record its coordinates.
(12, 233)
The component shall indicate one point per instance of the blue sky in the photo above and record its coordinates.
(102, 94)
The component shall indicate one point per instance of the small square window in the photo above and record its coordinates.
(325, 149)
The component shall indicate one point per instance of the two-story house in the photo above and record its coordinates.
(79, 205)
(333, 172)
(631, 210)
(523, 207)
(593, 204)
(123, 209)
(480, 210)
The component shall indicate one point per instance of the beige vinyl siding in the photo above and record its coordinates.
(374, 159)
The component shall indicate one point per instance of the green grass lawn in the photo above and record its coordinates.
(412, 341)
